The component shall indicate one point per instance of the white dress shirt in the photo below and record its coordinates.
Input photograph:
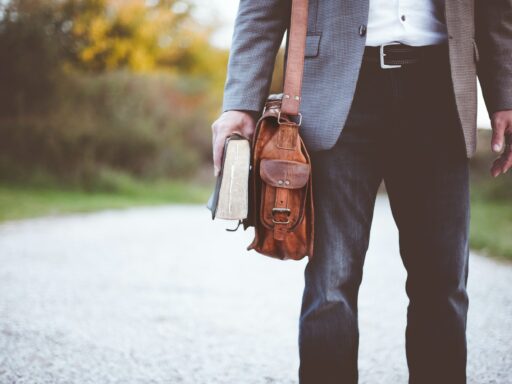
(412, 22)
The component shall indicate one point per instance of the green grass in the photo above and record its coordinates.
(17, 202)
(491, 227)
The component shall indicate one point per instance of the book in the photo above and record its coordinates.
(229, 199)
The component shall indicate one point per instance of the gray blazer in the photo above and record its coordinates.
(480, 41)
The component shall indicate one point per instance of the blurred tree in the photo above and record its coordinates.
(102, 35)
(70, 104)
(40, 37)
(29, 57)
(140, 35)
(122, 34)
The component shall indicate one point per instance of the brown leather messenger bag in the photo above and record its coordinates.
(280, 179)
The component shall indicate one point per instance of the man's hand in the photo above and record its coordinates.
(501, 122)
(229, 122)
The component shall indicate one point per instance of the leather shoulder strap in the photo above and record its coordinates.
(295, 58)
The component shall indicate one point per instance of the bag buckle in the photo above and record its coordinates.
(281, 210)
(382, 54)
(280, 122)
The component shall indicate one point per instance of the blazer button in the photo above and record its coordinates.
(362, 30)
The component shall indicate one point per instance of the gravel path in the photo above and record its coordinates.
(166, 295)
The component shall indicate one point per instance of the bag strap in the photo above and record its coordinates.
(295, 58)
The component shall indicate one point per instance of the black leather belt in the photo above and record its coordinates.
(394, 55)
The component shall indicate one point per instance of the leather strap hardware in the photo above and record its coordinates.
(281, 210)
(284, 121)
(280, 222)
(297, 98)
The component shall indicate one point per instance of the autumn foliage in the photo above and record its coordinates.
(119, 85)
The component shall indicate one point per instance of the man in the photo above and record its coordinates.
(389, 93)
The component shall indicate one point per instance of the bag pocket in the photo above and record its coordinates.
(290, 175)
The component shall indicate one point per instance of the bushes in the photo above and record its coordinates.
(74, 106)
(146, 125)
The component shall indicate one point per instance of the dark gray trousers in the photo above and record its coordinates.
(402, 128)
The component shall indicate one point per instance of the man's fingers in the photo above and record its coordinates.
(503, 163)
(214, 134)
(228, 123)
(214, 139)
(496, 166)
(507, 159)
(218, 147)
(498, 130)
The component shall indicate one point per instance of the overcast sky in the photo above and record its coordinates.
(222, 10)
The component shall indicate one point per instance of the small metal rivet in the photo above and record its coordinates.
(287, 182)
(280, 182)
(286, 96)
(296, 97)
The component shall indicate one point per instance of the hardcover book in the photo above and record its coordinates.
(230, 197)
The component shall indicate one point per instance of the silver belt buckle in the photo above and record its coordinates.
(382, 54)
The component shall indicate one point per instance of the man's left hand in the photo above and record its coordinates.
(501, 122)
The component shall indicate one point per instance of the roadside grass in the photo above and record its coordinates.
(491, 213)
(491, 226)
(18, 201)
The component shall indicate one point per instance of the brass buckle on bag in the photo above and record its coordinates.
(279, 118)
(285, 210)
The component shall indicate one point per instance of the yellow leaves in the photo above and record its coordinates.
(96, 34)
(98, 29)
(139, 59)
(138, 36)
(125, 34)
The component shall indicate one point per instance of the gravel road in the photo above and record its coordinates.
(166, 295)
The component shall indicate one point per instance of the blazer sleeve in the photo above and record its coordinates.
(257, 36)
(493, 36)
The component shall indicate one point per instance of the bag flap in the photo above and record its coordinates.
(284, 173)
